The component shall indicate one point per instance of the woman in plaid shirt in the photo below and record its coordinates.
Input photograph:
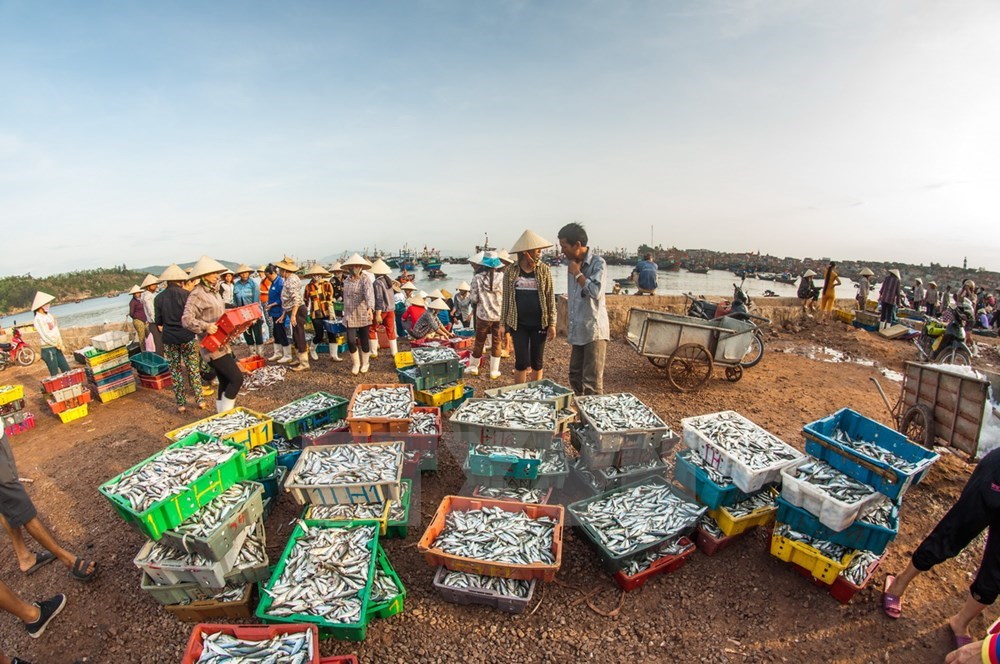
(359, 306)
(319, 297)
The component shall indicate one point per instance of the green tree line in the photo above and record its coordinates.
(16, 292)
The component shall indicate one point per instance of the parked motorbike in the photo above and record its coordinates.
(16, 352)
(944, 342)
(739, 309)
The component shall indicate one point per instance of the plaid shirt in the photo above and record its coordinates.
(359, 299)
(291, 292)
(546, 295)
(320, 296)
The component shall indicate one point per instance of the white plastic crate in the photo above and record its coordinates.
(831, 512)
(746, 479)
(109, 340)
(211, 576)
(342, 494)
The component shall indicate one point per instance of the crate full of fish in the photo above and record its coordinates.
(159, 493)
(621, 420)
(324, 578)
(344, 514)
(536, 390)
(834, 498)
(334, 433)
(294, 644)
(260, 461)
(858, 576)
(308, 413)
(441, 395)
(495, 538)
(339, 474)
(824, 560)
(431, 367)
(669, 558)
(616, 476)
(212, 531)
(501, 423)
(710, 539)
(423, 433)
(508, 595)
(232, 602)
(626, 523)
(398, 518)
(868, 451)
(166, 565)
(378, 408)
(517, 494)
(244, 572)
(388, 592)
(734, 446)
(709, 487)
(757, 510)
(874, 529)
(495, 460)
(239, 425)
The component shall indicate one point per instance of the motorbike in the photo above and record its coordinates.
(944, 341)
(16, 352)
(739, 309)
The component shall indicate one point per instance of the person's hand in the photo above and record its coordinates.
(212, 328)
(550, 333)
(573, 267)
(378, 315)
(291, 319)
(967, 654)
(281, 319)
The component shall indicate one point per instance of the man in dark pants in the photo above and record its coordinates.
(587, 329)
(978, 508)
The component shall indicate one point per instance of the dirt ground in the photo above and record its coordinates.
(741, 605)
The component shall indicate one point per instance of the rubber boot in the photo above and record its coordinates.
(494, 368)
(224, 404)
(364, 362)
(312, 352)
(286, 355)
(520, 377)
(277, 353)
(335, 353)
(393, 347)
(373, 345)
(355, 362)
(303, 362)
(473, 368)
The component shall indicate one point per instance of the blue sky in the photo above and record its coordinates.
(146, 133)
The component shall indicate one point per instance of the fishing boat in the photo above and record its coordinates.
(436, 273)
(786, 278)
(698, 270)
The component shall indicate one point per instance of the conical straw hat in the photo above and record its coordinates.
(417, 300)
(530, 240)
(316, 270)
(380, 267)
(437, 294)
(336, 267)
(463, 286)
(808, 273)
(424, 294)
(895, 273)
(174, 273)
(440, 305)
(504, 257)
(865, 272)
(206, 265)
(357, 259)
(408, 286)
(477, 259)
(287, 263)
(134, 290)
(150, 280)
(244, 268)
(41, 299)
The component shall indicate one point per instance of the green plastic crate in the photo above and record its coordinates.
(395, 605)
(258, 469)
(171, 512)
(401, 528)
(294, 428)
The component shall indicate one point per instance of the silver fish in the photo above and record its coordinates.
(221, 648)
(346, 512)
(521, 495)
(388, 402)
(431, 355)
(745, 441)
(251, 553)
(233, 592)
(339, 425)
(832, 482)
(714, 475)
(710, 526)
(302, 408)
(424, 423)
(397, 508)
(751, 504)
(500, 585)
(222, 426)
(264, 377)
(672, 547)
(857, 571)
(618, 412)
(546, 391)
(501, 414)
(350, 464)
(218, 511)
(383, 587)
(873, 451)
(828, 549)
(494, 535)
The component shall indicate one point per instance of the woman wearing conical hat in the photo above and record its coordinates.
(808, 293)
(864, 286)
(487, 294)
(385, 308)
(149, 287)
(529, 305)
(180, 345)
(48, 332)
(462, 305)
(359, 310)
(226, 288)
(293, 308)
(319, 298)
(246, 292)
(138, 315)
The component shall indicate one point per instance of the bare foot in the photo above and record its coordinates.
(953, 623)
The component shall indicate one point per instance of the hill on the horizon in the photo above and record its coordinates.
(157, 270)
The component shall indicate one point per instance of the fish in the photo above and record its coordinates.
(751, 504)
(221, 426)
(350, 464)
(832, 482)
(383, 402)
(672, 547)
(233, 592)
(857, 571)
(749, 444)
(264, 377)
(305, 407)
(497, 584)
(714, 475)
(828, 549)
(541, 392)
(216, 513)
(877, 453)
(157, 553)
(519, 494)
(424, 423)
(618, 412)
(710, 526)
(501, 414)
(383, 587)
(221, 648)
(430, 355)
(495, 535)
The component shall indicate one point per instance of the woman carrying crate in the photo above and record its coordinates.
(359, 308)
(487, 295)
(180, 346)
(48, 333)
(529, 305)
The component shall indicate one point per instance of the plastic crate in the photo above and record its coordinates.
(111, 372)
(664, 565)
(711, 545)
(192, 592)
(288, 459)
(428, 375)
(309, 517)
(696, 480)
(68, 393)
(261, 433)
(613, 441)
(416, 442)
(12, 407)
(11, 393)
(97, 357)
(887, 480)
(394, 605)
(546, 497)
(539, 571)
(483, 596)
(110, 341)
(274, 483)
(401, 527)
(339, 659)
(631, 475)
(64, 380)
(239, 318)
(149, 364)
(212, 574)
(745, 478)
(561, 401)
(220, 541)
(171, 512)
(117, 393)
(833, 513)
(73, 414)
(467, 394)
(157, 382)
(26, 424)
(341, 493)
(73, 402)
(807, 557)
(335, 327)
(859, 535)
(366, 426)
(440, 395)
(209, 609)
(348, 631)
(843, 590)
(293, 428)
(731, 525)
(16, 417)
(252, 363)
(470, 433)
(262, 466)
(507, 465)
(248, 632)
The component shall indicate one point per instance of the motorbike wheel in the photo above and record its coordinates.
(958, 356)
(4, 360)
(756, 352)
(26, 357)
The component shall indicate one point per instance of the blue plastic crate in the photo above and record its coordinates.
(821, 444)
(334, 327)
(859, 535)
(506, 465)
(149, 364)
(705, 491)
(288, 459)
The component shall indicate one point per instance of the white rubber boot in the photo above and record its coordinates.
(335, 353)
(303, 362)
(286, 355)
(393, 347)
(373, 345)
(277, 353)
(364, 362)
(473, 368)
(494, 368)
(224, 404)
(312, 352)
(355, 362)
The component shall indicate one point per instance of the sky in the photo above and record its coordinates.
(152, 132)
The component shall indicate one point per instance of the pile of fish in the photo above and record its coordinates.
(519, 494)
(259, 452)
(251, 554)
(552, 463)
(673, 547)
(746, 442)
(221, 648)
(383, 587)
(499, 450)
(540, 392)
(263, 377)
(714, 475)
(169, 473)
(233, 592)
(873, 451)
(350, 464)
(339, 425)
(832, 482)
(206, 520)
(310, 405)
(880, 514)
(389, 402)
(397, 508)
(618, 412)
(627, 520)
(222, 426)
(425, 355)
(495, 535)
(858, 569)
(283, 446)
(751, 504)
(710, 526)
(502, 414)
(424, 423)
(828, 549)
(347, 512)
(508, 587)
(324, 575)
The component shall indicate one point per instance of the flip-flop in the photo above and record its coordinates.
(79, 571)
(891, 604)
(959, 641)
(41, 560)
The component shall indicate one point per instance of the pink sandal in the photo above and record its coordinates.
(892, 605)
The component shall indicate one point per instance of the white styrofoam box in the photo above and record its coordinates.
(109, 340)
(833, 513)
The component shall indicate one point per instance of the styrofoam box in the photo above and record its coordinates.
(831, 512)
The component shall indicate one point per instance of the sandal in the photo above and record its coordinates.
(892, 605)
(79, 571)
(959, 641)
(41, 560)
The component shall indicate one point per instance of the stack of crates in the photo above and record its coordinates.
(13, 410)
(436, 374)
(841, 543)
(108, 367)
(67, 394)
(337, 331)
(153, 370)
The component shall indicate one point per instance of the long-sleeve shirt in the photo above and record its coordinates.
(384, 300)
(411, 316)
(462, 305)
(169, 308)
(546, 295)
(226, 292)
(274, 298)
(487, 296)
(931, 296)
(147, 304)
(291, 293)
(427, 323)
(319, 294)
(586, 308)
(889, 293)
(246, 292)
(204, 307)
(135, 309)
(48, 330)
(359, 299)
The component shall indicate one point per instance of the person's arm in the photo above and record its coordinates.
(191, 321)
(592, 286)
(46, 335)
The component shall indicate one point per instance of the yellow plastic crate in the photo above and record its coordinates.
(439, 397)
(11, 393)
(803, 555)
(732, 525)
(844, 315)
(404, 359)
(68, 416)
(116, 394)
(261, 433)
(104, 358)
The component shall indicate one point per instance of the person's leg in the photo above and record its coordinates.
(17, 607)
(576, 369)
(49, 358)
(593, 367)
(25, 557)
(389, 320)
(230, 377)
(61, 362)
(538, 338)
(984, 589)
(522, 352)
(191, 360)
(171, 352)
(365, 342)
(373, 337)
(299, 332)
(41, 534)
(352, 348)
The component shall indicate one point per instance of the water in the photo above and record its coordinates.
(714, 285)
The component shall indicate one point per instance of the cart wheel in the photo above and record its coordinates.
(734, 373)
(658, 362)
(918, 425)
(689, 367)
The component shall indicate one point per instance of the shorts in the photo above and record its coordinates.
(15, 505)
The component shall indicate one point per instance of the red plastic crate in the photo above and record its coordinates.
(239, 317)
(64, 380)
(249, 632)
(664, 565)
(710, 545)
(12, 407)
(252, 363)
(463, 343)
(26, 424)
(843, 590)
(62, 406)
(160, 382)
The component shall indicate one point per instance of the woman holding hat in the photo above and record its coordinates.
(202, 310)
(359, 307)
(294, 310)
(529, 306)
(808, 293)
(246, 291)
(319, 297)
(487, 295)
(888, 297)
(48, 332)
(385, 308)
(462, 305)
(150, 285)
(864, 287)
(138, 315)
(180, 346)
